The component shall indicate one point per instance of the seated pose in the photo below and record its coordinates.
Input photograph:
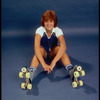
(49, 43)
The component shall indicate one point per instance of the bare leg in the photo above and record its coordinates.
(35, 62)
(65, 59)
(34, 65)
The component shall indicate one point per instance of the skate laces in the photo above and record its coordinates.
(69, 66)
(32, 69)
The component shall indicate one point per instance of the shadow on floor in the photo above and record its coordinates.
(87, 67)
(39, 77)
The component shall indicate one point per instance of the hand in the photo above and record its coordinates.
(47, 68)
(52, 65)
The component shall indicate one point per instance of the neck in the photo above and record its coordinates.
(49, 31)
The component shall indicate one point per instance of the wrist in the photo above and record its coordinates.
(54, 61)
(43, 64)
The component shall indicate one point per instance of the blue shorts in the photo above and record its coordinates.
(48, 51)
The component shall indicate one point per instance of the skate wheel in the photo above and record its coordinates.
(74, 84)
(79, 68)
(80, 83)
(82, 73)
(23, 86)
(29, 86)
(21, 74)
(24, 69)
(27, 75)
(76, 74)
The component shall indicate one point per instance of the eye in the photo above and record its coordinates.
(46, 21)
(51, 20)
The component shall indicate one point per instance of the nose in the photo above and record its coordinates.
(48, 22)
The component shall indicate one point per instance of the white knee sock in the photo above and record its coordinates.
(68, 67)
(32, 71)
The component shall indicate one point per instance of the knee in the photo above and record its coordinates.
(43, 51)
(56, 49)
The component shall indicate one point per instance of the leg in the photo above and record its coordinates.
(30, 72)
(65, 59)
(35, 62)
(74, 71)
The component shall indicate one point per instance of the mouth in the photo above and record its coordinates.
(49, 26)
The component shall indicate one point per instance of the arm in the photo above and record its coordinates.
(61, 51)
(38, 52)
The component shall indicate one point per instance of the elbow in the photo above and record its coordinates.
(64, 47)
(36, 49)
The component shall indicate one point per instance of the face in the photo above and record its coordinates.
(49, 24)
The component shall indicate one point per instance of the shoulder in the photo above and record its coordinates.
(40, 30)
(58, 31)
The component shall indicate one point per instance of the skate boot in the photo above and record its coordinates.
(25, 74)
(75, 73)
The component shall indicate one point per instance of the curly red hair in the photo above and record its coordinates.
(49, 15)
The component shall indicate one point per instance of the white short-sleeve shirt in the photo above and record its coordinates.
(55, 30)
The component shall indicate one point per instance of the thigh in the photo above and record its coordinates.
(43, 51)
(54, 51)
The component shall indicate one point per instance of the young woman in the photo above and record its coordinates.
(49, 43)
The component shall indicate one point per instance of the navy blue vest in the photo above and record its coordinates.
(48, 44)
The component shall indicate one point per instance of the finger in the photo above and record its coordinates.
(45, 70)
(49, 71)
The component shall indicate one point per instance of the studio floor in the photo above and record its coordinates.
(18, 52)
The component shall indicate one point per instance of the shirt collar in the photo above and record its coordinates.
(53, 30)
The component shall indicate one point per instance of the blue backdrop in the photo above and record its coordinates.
(79, 21)
(73, 15)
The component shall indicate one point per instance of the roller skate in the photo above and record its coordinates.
(76, 72)
(25, 74)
